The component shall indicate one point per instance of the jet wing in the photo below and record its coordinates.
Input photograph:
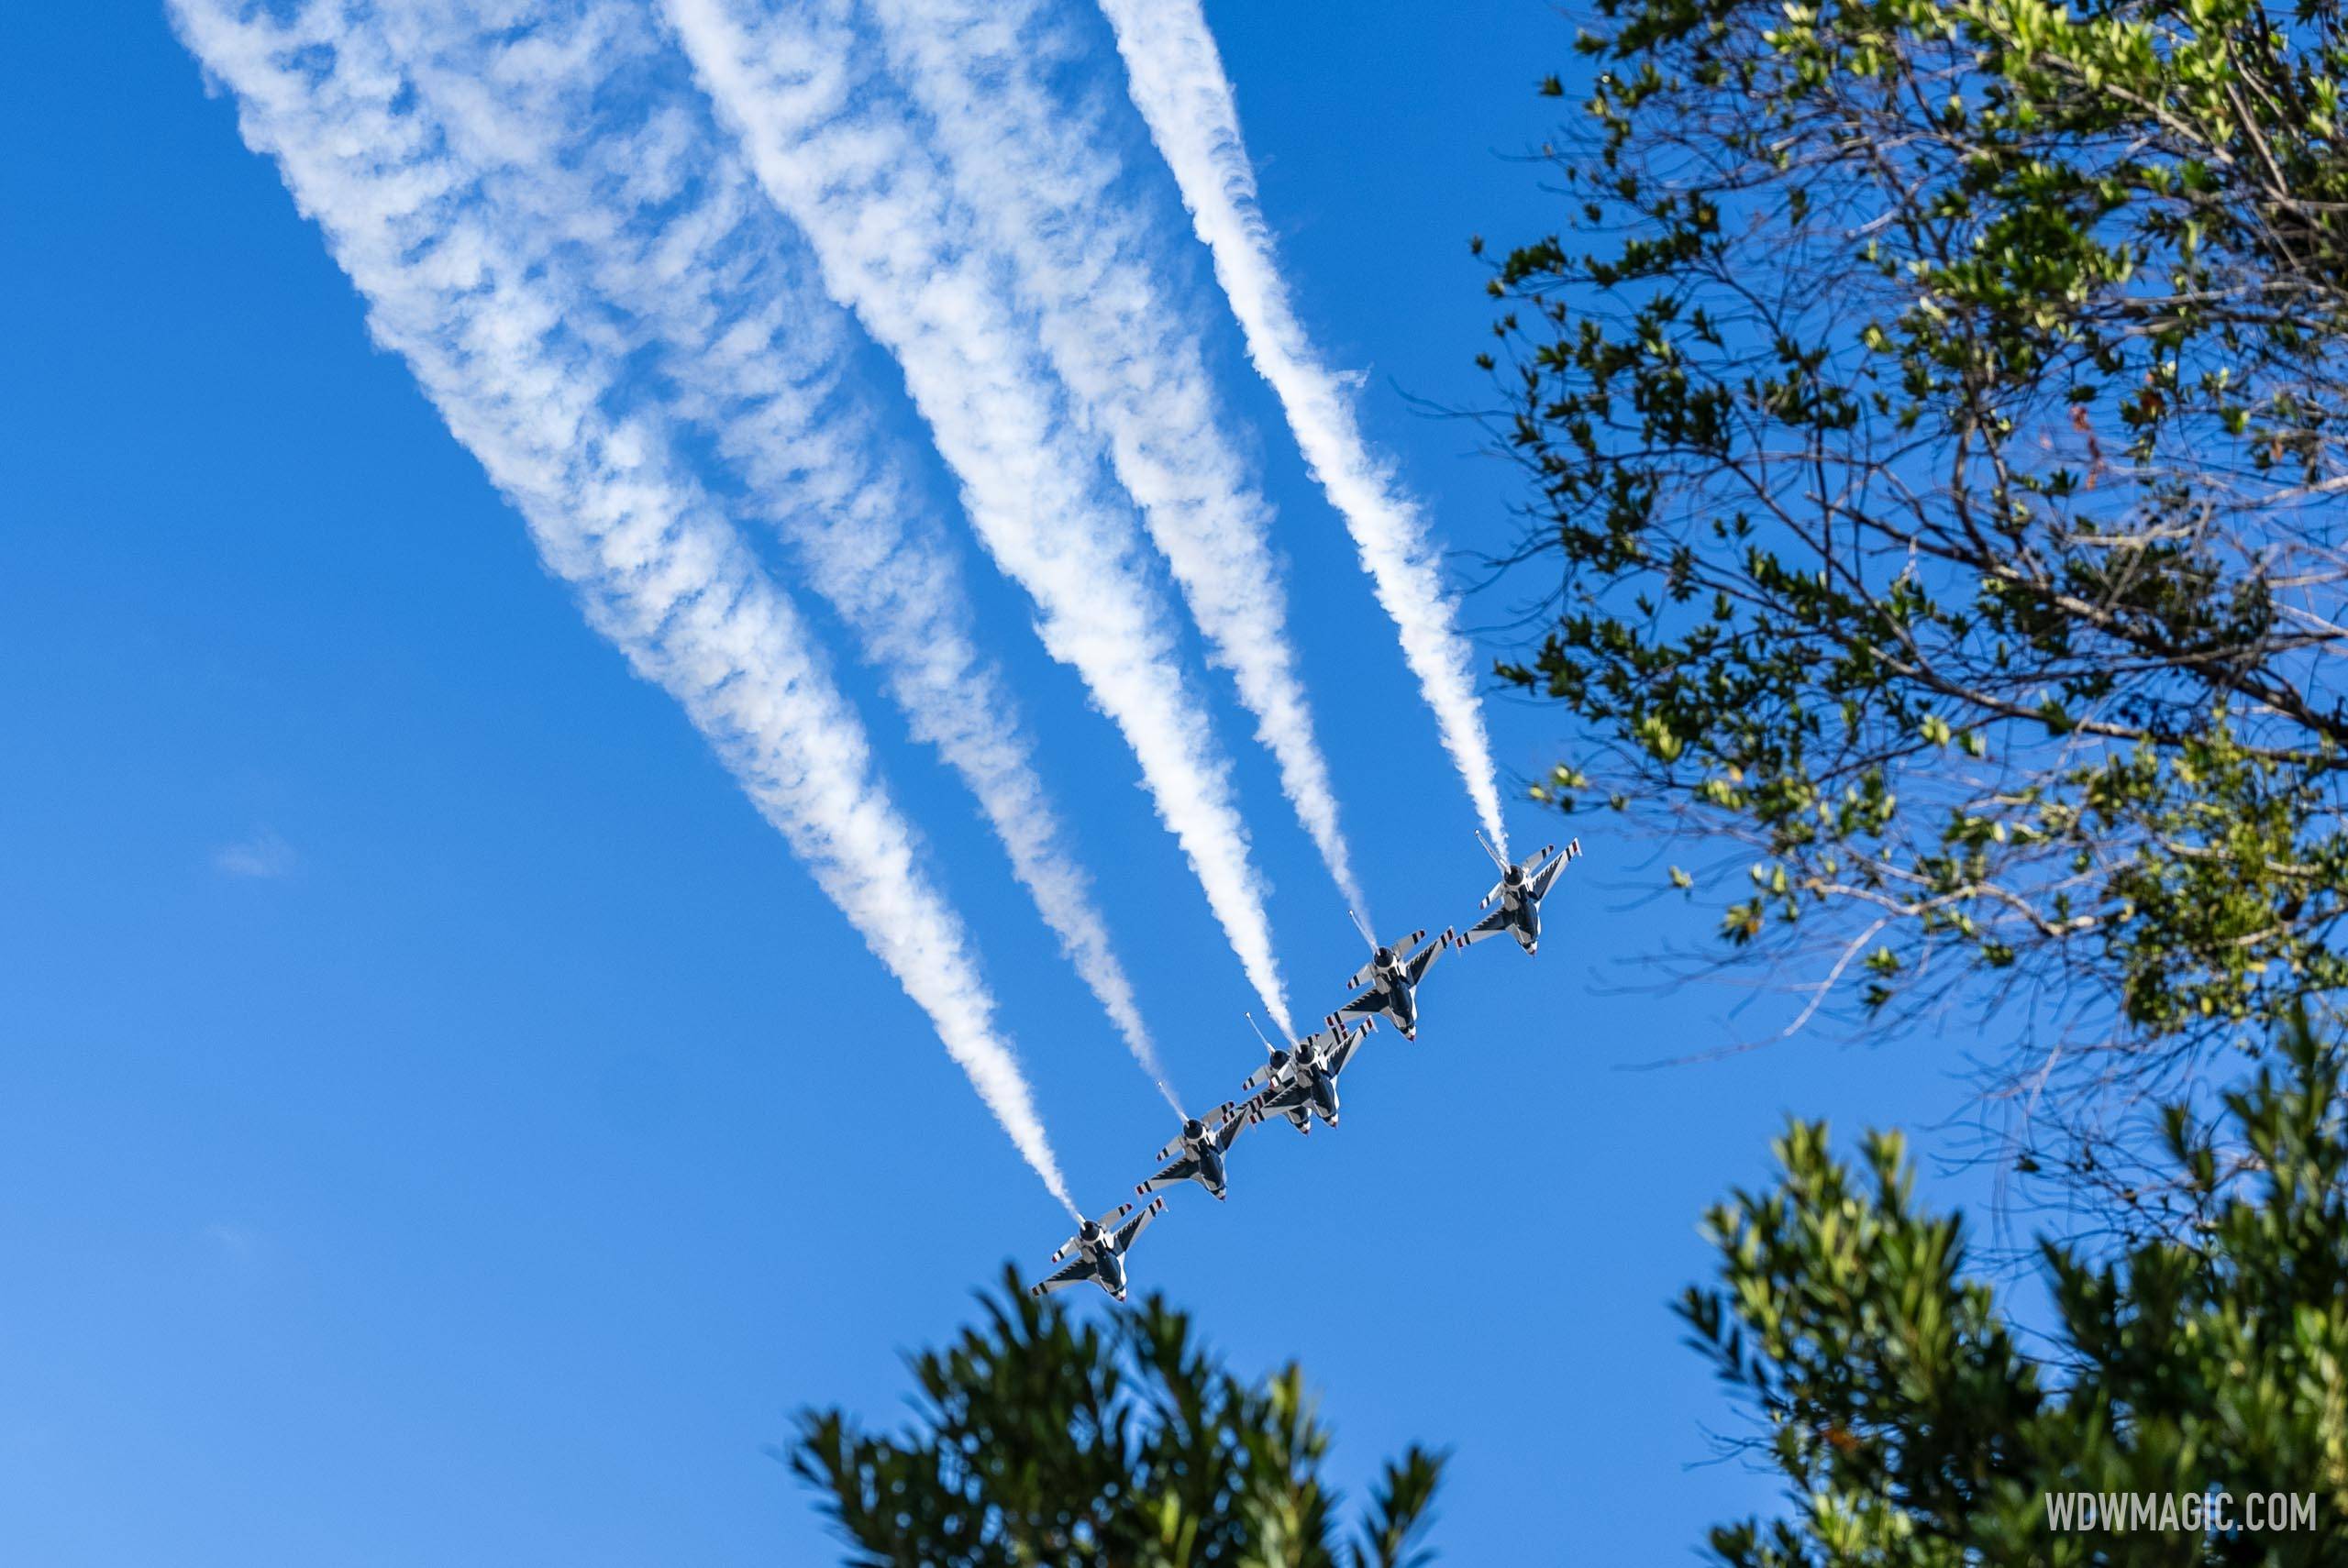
(1285, 1096)
(1175, 1174)
(1359, 978)
(1235, 1121)
(1491, 924)
(1343, 1052)
(1424, 959)
(1114, 1215)
(1486, 901)
(1252, 1108)
(1130, 1231)
(1368, 1004)
(1075, 1272)
(1539, 882)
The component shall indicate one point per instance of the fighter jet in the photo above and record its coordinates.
(1099, 1252)
(1196, 1154)
(1300, 1083)
(1519, 894)
(1392, 979)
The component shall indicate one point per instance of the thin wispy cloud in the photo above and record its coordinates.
(1043, 178)
(261, 856)
(1176, 76)
(832, 147)
(238, 1243)
(589, 128)
(507, 356)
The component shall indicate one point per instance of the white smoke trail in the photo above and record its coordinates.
(894, 247)
(580, 133)
(1043, 178)
(487, 332)
(1176, 77)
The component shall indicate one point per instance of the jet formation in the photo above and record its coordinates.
(1300, 1081)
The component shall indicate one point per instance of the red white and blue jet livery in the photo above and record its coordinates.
(1300, 1083)
(1097, 1251)
(1518, 895)
(1392, 979)
(1198, 1154)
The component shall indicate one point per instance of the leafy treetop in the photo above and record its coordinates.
(1912, 1430)
(1935, 407)
(1044, 1438)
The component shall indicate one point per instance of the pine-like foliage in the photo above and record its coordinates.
(1044, 1437)
(1915, 1429)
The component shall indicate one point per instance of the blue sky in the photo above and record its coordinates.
(440, 1123)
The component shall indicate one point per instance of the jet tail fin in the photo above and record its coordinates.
(1366, 934)
(1498, 859)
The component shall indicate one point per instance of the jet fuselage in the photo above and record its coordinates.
(1211, 1166)
(1309, 1072)
(1401, 999)
(1112, 1265)
(1524, 909)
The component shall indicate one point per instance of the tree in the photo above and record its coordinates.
(1912, 1430)
(1936, 408)
(1043, 1438)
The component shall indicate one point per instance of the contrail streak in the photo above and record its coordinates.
(894, 247)
(670, 228)
(1176, 81)
(488, 334)
(1043, 179)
